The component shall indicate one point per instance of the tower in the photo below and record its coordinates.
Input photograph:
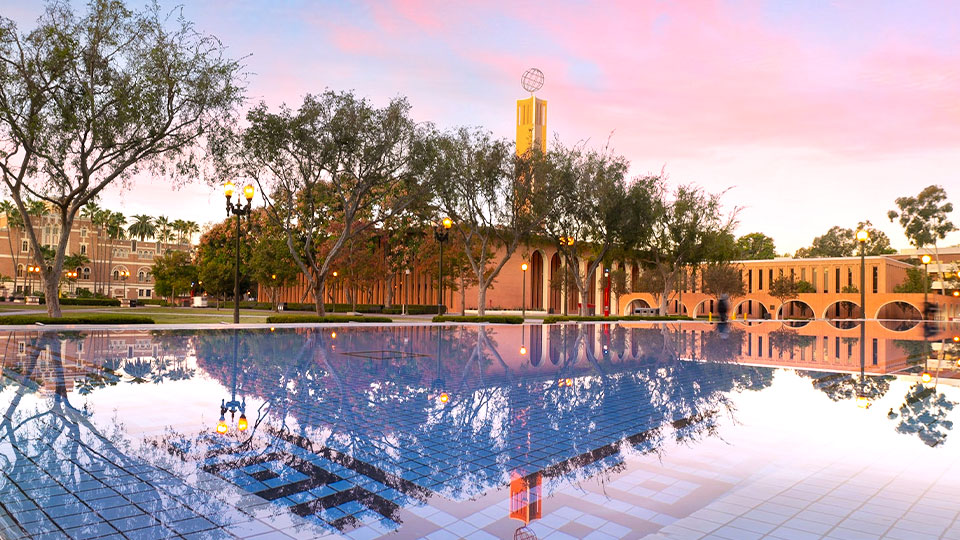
(531, 115)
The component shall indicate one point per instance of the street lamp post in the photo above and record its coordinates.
(233, 405)
(925, 259)
(403, 286)
(569, 241)
(441, 234)
(606, 293)
(124, 274)
(523, 301)
(238, 209)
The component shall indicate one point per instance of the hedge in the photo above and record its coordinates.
(92, 318)
(90, 302)
(153, 302)
(416, 309)
(499, 319)
(326, 319)
(588, 318)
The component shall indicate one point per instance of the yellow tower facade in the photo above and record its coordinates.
(531, 124)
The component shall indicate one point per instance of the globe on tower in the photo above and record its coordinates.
(531, 114)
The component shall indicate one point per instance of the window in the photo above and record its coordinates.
(836, 282)
(141, 276)
(19, 270)
(813, 274)
(83, 232)
(24, 246)
(21, 347)
(826, 274)
(83, 249)
(803, 274)
(86, 273)
(80, 346)
(770, 275)
(875, 351)
(876, 279)
(849, 277)
(760, 285)
(749, 281)
(116, 274)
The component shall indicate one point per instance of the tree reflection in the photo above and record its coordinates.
(924, 414)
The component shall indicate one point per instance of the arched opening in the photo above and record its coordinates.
(536, 344)
(636, 304)
(675, 307)
(843, 314)
(899, 316)
(556, 274)
(536, 281)
(592, 289)
(796, 312)
(751, 309)
(706, 308)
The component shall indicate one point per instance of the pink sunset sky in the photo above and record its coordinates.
(808, 114)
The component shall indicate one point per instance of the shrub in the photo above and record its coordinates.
(497, 319)
(90, 301)
(92, 318)
(412, 310)
(326, 319)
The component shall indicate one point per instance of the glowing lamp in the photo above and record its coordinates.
(248, 192)
(222, 425)
(524, 267)
(863, 402)
(523, 350)
(956, 293)
(862, 235)
(272, 329)
(925, 377)
(334, 273)
(333, 335)
(569, 382)
(956, 339)
(242, 423)
(925, 259)
(228, 189)
(447, 223)
(444, 397)
(273, 276)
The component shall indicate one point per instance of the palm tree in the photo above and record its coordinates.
(92, 211)
(115, 231)
(13, 221)
(163, 226)
(75, 262)
(179, 226)
(191, 228)
(142, 227)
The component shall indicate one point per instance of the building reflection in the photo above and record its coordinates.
(368, 403)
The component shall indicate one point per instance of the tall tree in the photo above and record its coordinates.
(723, 279)
(924, 219)
(327, 171)
(673, 230)
(755, 246)
(496, 199)
(842, 242)
(588, 193)
(14, 223)
(142, 227)
(90, 100)
(164, 227)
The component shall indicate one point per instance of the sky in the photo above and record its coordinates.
(805, 114)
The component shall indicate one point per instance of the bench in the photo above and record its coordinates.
(646, 312)
(33, 300)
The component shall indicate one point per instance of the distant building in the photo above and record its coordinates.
(108, 260)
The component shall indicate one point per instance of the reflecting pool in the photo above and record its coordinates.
(633, 430)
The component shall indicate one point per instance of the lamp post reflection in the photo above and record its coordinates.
(233, 405)
(862, 236)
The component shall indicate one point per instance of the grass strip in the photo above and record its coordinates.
(92, 318)
(499, 319)
(326, 319)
